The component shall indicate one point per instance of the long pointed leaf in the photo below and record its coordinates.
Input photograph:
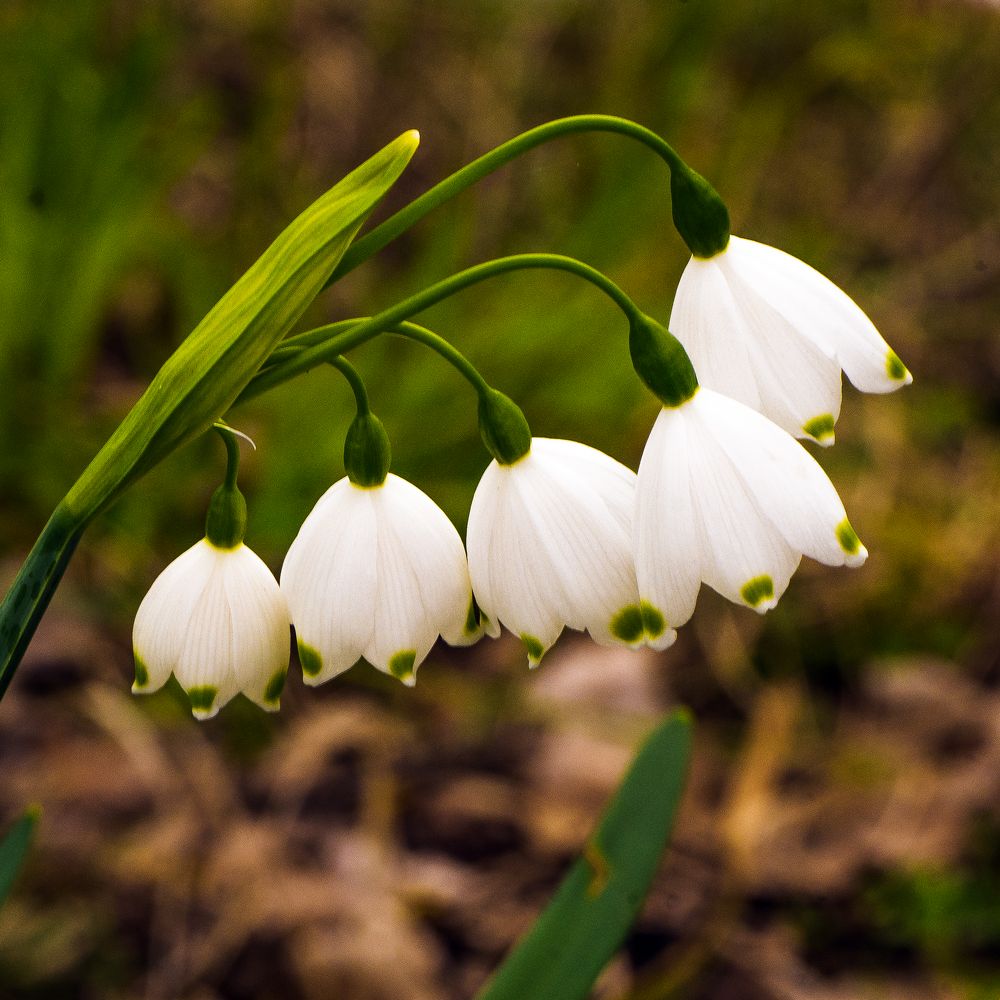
(587, 919)
(200, 380)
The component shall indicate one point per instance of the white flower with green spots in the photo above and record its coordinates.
(550, 545)
(216, 619)
(377, 572)
(726, 497)
(765, 328)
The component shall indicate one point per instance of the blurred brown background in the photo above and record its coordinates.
(840, 837)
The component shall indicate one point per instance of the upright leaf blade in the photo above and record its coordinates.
(200, 380)
(587, 919)
(13, 848)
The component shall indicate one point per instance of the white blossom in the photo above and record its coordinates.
(726, 497)
(550, 545)
(377, 572)
(765, 328)
(216, 619)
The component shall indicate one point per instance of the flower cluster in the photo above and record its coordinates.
(559, 534)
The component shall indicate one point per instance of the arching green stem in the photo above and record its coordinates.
(356, 383)
(451, 354)
(385, 233)
(301, 353)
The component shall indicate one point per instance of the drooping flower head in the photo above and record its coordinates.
(215, 617)
(768, 330)
(724, 496)
(550, 542)
(216, 620)
(376, 571)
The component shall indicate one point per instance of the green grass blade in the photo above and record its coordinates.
(200, 380)
(587, 919)
(13, 848)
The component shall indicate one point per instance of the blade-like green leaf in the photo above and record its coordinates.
(587, 919)
(13, 848)
(200, 380)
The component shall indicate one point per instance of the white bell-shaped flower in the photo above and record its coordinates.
(765, 328)
(550, 545)
(727, 497)
(216, 619)
(380, 572)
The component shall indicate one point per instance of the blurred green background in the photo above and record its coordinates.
(841, 836)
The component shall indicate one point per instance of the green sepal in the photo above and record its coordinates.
(700, 215)
(226, 522)
(367, 452)
(503, 427)
(660, 361)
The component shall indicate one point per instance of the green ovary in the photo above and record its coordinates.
(757, 590)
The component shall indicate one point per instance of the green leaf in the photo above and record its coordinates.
(581, 928)
(204, 375)
(200, 380)
(13, 848)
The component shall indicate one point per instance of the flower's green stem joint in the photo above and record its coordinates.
(700, 215)
(503, 427)
(660, 361)
(226, 523)
(367, 452)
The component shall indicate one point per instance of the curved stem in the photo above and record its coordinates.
(356, 383)
(451, 354)
(385, 233)
(299, 354)
(229, 438)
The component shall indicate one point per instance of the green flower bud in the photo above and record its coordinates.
(503, 427)
(700, 215)
(226, 523)
(660, 361)
(367, 452)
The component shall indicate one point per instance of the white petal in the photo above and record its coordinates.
(510, 575)
(329, 580)
(706, 320)
(205, 667)
(742, 346)
(788, 486)
(404, 629)
(743, 555)
(435, 549)
(667, 533)
(260, 628)
(824, 313)
(162, 619)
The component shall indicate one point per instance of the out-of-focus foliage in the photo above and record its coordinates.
(838, 838)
